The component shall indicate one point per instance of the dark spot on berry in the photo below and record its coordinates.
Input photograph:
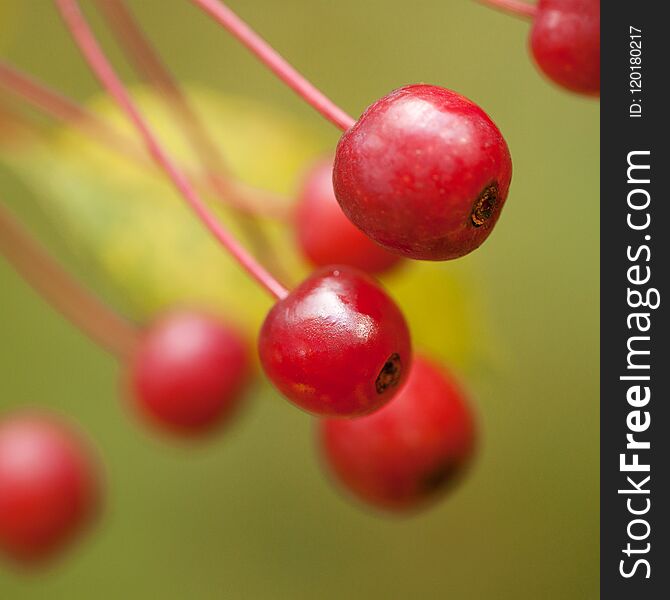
(485, 205)
(389, 376)
(439, 476)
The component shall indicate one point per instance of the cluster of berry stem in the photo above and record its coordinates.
(276, 63)
(101, 67)
(67, 110)
(514, 7)
(149, 64)
(81, 307)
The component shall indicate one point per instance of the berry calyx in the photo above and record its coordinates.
(49, 488)
(326, 236)
(565, 42)
(411, 450)
(424, 172)
(189, 372)
(337, 345)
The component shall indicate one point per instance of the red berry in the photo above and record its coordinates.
(324, 233)
(424, 172)
(48, 487)
(410, 450)
(565, 41)
(189, 372)
(337, 345)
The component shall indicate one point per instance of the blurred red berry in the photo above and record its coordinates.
(424, 172)
(189, 372)
(326, 236)
(565, 42)
(49, 488)
(337, 345)
(409, 451)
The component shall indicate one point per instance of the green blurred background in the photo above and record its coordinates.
(251, 514)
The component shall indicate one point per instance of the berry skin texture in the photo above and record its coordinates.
(424, 172)
(326, 236)
(337, 345)
(49, 489)
(189, 372)
(565, 42)
(411, 450)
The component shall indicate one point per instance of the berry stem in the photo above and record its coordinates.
(517, 8)
(146, 60)
(62, 108)
(148, 63)
(97, 61)
(59, 106)
(275, 62)
(81, 307)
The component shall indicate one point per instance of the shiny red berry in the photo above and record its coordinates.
(565, 42)
(337, 345)
(424, 172)
(49, 488)
(409, 451)
(326, 236)
(189, 372)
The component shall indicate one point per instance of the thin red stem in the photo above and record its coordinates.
(244, 198)
(275, 62)
(149, 64)
(24, 85)
(141, 53)
(513, 7)
(99, 64)
(81, 307)
(57, 105)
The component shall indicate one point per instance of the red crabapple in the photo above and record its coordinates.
(337, 345)
(49, 488)
(409, 451)
(565, 42)
(424, 172)
(189, 371)
(326, 236)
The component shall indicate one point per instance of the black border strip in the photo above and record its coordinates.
(627, 257)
